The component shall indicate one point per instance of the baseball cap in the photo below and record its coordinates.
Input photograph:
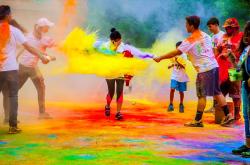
(232, 22)
(44, 22)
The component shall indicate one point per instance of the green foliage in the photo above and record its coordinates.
(160, 16)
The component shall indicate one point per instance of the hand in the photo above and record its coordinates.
(170, 66)
(45, 60)
(157, 59)
(52, 58)
(225, 54)
(222, 55)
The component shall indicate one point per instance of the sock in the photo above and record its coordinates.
(198, 115)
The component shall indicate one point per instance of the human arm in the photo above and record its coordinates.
(171, 54)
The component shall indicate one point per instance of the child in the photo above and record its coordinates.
(179, 80)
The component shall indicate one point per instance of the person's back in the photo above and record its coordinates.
(198, 46)
(10, 62)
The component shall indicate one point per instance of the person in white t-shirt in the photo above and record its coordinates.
(114, 46)
(199, 48)
(213, 25)
(179, 80)
(10, 37)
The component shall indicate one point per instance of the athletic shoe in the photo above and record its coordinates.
(194, 124)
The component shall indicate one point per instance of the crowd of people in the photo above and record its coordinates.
(221, 61)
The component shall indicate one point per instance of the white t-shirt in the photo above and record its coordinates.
(199, 49)
(30, 60)
(179, 74)
(10, 63)
(216, 38)
(134, 51)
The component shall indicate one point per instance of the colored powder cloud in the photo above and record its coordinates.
(84, 59)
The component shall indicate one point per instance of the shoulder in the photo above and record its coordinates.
(221, 32)
(122, 47)
(203, 34)
(197, 35)
(14, 29)
(241, 34)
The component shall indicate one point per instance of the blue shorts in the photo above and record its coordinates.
(179, 86)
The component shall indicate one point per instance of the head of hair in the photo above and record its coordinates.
(114, 35)
(178, 43)
(193, 20)
(4, 11)
(243, 45)
(213, 21)
(17, 25)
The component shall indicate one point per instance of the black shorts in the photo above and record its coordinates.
(232, 88)
(207, 83)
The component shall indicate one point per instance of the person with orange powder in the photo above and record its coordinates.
(28, 67)
(198, 47)
(10, 36)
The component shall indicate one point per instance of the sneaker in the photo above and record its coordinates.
(107, 111)
(239, 150)
(210, 110)
(181, 108)
(170, 108)
(227, 121)
(118, 116)
(14, 130)
(44, 115)
(194, 124)
(246, 154)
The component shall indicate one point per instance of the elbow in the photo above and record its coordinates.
(178, 52)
